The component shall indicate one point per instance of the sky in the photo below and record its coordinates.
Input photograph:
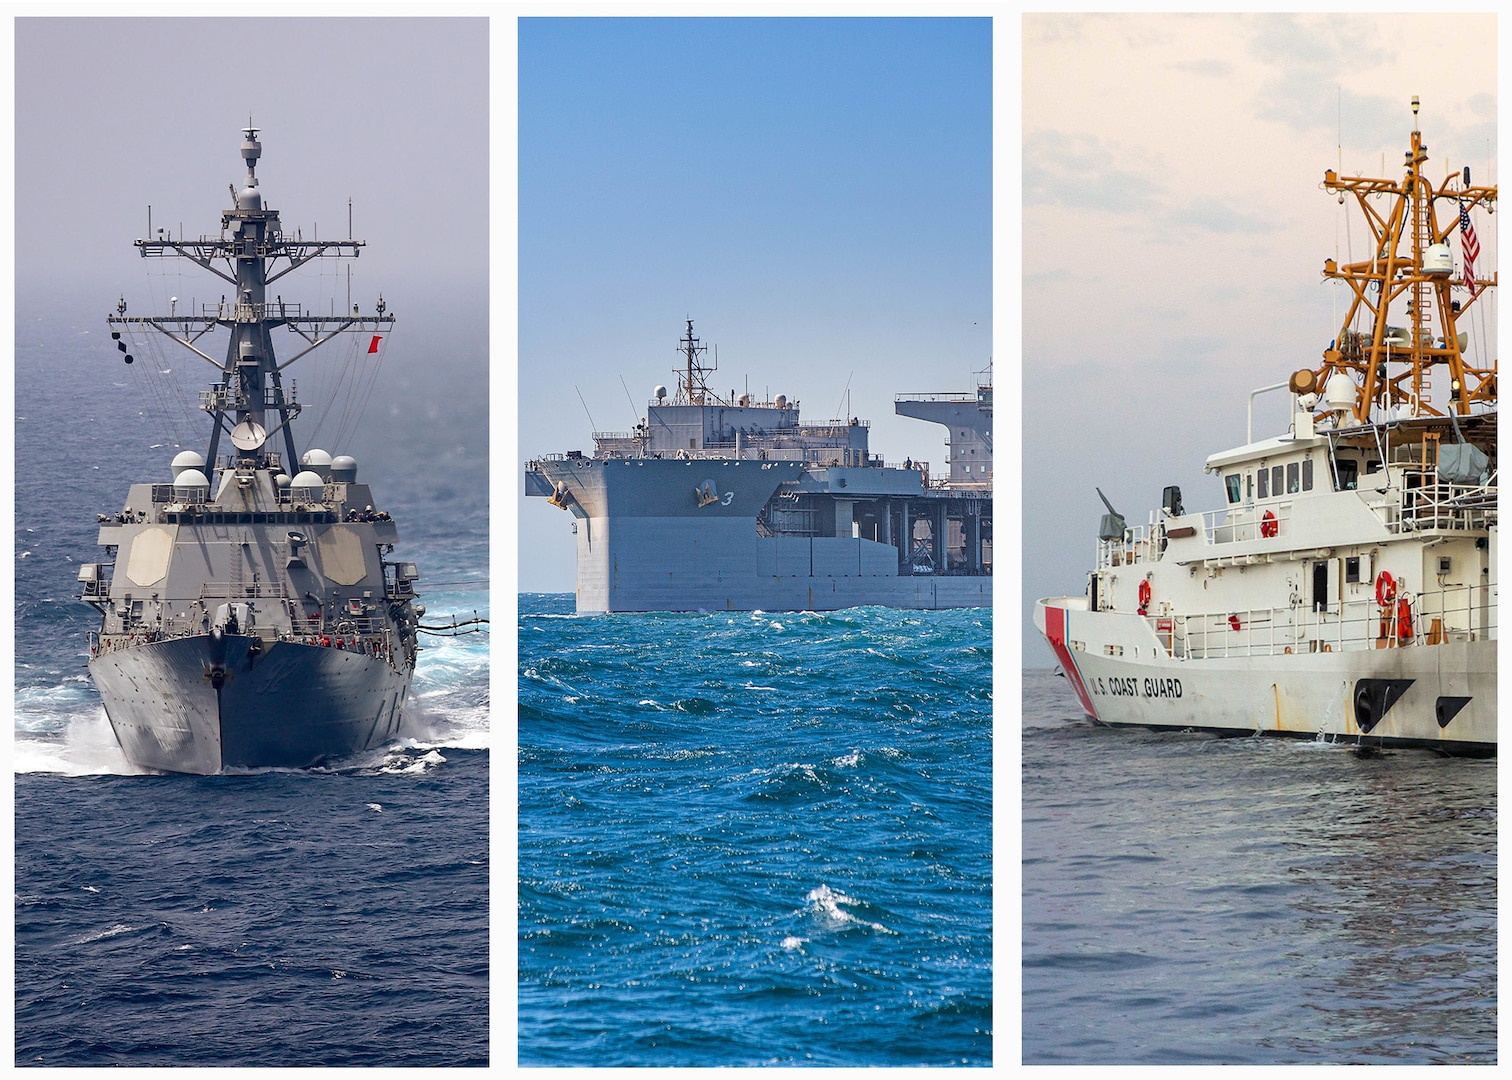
(1174, 231)
(816, 194)
(114, 115)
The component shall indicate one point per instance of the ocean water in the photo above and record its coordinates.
(1195, 900)
(754, 838)
(331, 916)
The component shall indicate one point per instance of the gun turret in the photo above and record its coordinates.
(1113, 526)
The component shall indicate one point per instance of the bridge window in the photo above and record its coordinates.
(1264, 477)
(1349, 474)
(1307, 474)
(1293, 478)
(1232, 482)
(1276, 487)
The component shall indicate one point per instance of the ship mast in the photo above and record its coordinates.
(247, 256)
(692, 386)
(1410, 259)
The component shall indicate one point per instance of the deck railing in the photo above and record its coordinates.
(1456, 613)
(1422, 503)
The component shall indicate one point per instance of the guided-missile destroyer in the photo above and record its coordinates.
(251, 615)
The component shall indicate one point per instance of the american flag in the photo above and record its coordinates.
(1469, 248)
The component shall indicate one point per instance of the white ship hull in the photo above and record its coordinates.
(1440, 696)
(289, 706)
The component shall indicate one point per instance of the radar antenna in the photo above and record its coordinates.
(1410, 261)
(247, 255)
(692, 386)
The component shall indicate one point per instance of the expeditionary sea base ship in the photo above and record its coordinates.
(720, 503)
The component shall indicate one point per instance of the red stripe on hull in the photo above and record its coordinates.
(1055, 632)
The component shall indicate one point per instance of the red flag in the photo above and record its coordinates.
(373, 346)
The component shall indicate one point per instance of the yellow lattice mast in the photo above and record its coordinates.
(1411, 260)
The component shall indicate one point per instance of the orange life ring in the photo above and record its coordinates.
(1385, 589)
(1268, 524)
(1404, 620)
(1144, 595)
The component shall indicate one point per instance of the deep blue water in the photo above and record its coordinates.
(755, 838)
(1193, 900)
(333, 916)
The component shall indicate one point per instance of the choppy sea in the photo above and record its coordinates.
(1195, 900)
(754, 838)
(330, 916)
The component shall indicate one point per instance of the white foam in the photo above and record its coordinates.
(830, 905)
(86, 747)
(110, 932)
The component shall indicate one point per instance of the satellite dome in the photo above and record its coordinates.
(317, 460)
(190, 480)
(1339, 391)
(344, 469)
(661, 393)
(186, 460)
(249, 198)
(307, 485)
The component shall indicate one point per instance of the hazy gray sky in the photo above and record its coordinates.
(815, 193)
(114, 115)
(1174, 232)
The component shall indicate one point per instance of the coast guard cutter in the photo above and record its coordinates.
(1347, 589)
(250, 614)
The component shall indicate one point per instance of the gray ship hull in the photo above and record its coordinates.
(290, 705)
(645, 544)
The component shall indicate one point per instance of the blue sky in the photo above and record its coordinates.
(815, 193)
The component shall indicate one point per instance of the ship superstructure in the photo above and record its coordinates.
(1347, 588)
(250, 613)
(729, 503)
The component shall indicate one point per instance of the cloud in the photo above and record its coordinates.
(1206, 69)
(1076, 172)
(1210, 215)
